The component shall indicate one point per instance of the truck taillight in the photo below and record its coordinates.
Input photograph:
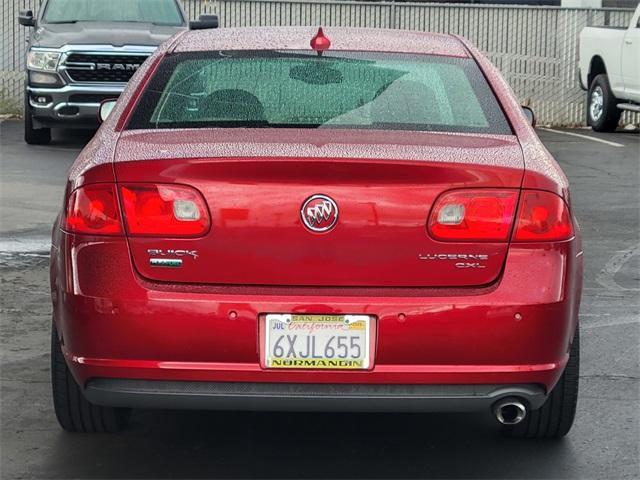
(543, 217)
(480, 215)
(164, 210)
(93, 209)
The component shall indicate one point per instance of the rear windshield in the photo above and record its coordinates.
(159, 12)
(289, 89)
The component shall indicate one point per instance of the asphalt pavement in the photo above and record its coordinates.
(604, 171)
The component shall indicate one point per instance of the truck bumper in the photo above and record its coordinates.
(70, 106)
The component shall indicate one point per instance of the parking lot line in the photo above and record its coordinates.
(25, 245)
(586, 137)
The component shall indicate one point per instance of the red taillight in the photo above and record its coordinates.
(93, 209)
(543, 217)
(164, 210)
(474, 215)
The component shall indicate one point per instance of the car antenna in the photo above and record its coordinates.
(320, 42)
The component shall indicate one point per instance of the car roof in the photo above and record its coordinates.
(298, 38)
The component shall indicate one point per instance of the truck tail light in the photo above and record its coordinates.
(481, 215)
(543, 217)
(164, 210)
(93, 209)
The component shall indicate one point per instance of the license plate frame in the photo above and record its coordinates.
(367, 359)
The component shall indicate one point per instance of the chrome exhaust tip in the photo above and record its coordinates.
(509, 411)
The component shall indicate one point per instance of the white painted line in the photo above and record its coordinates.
(25, 245)
(589, 326)
(586, 137)
(599, 289)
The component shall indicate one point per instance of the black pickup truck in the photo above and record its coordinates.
(82, 52)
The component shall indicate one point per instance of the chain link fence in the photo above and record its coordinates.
(534, 47)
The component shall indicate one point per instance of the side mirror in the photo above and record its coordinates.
(530, 115)
(205, 22)
(106, 107)
(25, 18)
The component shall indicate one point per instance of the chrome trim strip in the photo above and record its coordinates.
(60, 106)
(100, 49)
(115, 88)
(77, 66)
(165, 262)
(44, 106)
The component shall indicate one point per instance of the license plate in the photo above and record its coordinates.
(317, 341)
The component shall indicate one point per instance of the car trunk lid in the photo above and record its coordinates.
(255, 183)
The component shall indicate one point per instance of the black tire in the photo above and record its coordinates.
(34, 136)
(606, 118)
(74, 412)
(555, 418)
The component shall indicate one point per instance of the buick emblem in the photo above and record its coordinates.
(319, 213)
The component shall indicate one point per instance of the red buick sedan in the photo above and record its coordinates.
(291, 219)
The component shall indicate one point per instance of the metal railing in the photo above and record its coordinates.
(534, 47)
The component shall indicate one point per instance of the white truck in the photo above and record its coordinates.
(609, 69)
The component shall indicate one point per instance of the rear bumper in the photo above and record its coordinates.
(115, 325)
(305, 396)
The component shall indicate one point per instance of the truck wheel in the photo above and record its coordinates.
(34, 136)
(602, 113)
(74, 412)
(555, 418)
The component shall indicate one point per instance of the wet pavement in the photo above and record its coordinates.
(169, 444)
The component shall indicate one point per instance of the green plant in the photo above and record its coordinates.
(9, 105)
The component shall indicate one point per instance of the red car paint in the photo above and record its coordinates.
(509, 323)
(250, 241)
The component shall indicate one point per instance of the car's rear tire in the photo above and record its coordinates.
(555, 418)
(74, 412)
(34, 136)
(603, 115)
